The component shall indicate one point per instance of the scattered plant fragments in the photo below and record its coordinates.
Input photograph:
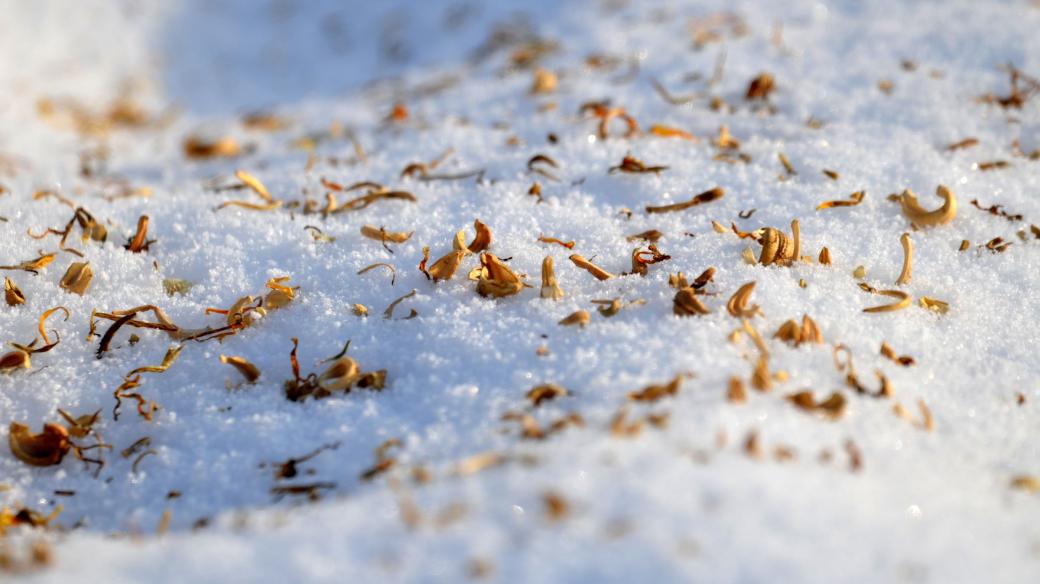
(854, 199)
(924, 218)
(705, 197)
(934, 304)
(686, 303)
(199, 148)
(132, 380)
(889, 353)
(652, 393)
(996, 210)
(342, 374)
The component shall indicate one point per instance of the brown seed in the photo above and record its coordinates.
(737, 305)
(854, 199)
(825, 257)
(44, 449)
(652, 393)
(545, 392)
(735, 392)
(77, 278)
(686, 303)
(12, 294)
(760, 87)
(924, 218)
(908, 260)
(248, 370)
(590, 267)
(580, 318)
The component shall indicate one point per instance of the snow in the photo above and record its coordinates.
(671, 504)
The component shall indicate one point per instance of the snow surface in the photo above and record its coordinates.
(667, 505)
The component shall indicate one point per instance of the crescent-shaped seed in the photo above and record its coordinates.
(903, 302)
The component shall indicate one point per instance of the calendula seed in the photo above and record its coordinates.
(737, 304)
(686, 303)
(854, 199)
(550, 288)
(248, 370)
(934, 304)
(580, 318)
(825, 257)
(590, 267)
(12, 294)
(77, 278)
(903, 302)
(735, 392)
(922, 217)
(908, 260)
(705, 197)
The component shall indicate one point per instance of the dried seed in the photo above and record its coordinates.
(686, 303)
(718, 227)
(831, 174)
(903, 302)
(760, 87)
(888, 352)
(566, 244)
(833, 407)
(854, 199)
(737, 305)
(996, 210)
(47, 448)
(651, 236)
(993, 165)
(633, 165)
(198, 148)
(544, 82)
(550, 288)
(652, 393)
(908, 260)
(924, 218)
(705, 197)
(482, 239)
(808, 332)
(860, 272)
(1026, 483)
(965, 143)
(934, 304)
(670, 132)
(381, 234)
(496, 279)
(786, 164)
(77, 278)
(545, 392)
(725, 141)
(735, 392)
(13, 360)
(360, 310)
(598, 272)
(139, 242)
(12, 294)
(825, 256)
(248, 370)
(580, 318)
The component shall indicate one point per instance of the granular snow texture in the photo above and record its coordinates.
(874, 91)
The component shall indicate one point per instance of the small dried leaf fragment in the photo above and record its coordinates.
(77, 278)
(550, 287)
(382, 235)
(580, 318)
(47, 448)
(922, 217)
(686, 303)
(708, 196)
(248, 370)
(545, 392)
(12, 294)
(854, 199)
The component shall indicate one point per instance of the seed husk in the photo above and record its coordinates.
(708, 196)
(248, 370)
(686, 303)
(903, 302)
(921, 217)
(580, 318)
(934, 304)
(545, 392)
(47, 448)
(908, 260)
(825, 257)
(12, 294)
(496, 279)
(737, 305)
(833, 407)
(550, 287)
(77, 278)
(854, 199)
(590, 267)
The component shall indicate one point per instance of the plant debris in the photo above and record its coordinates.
(705, 197)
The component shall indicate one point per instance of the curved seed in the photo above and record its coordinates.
(903, 302)
(580, 318)
(686, 303)
(924, 218)
(737, 305)
(908, 259)
(248, 370)
(44, 449)
(590, 267)
(550, 287)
